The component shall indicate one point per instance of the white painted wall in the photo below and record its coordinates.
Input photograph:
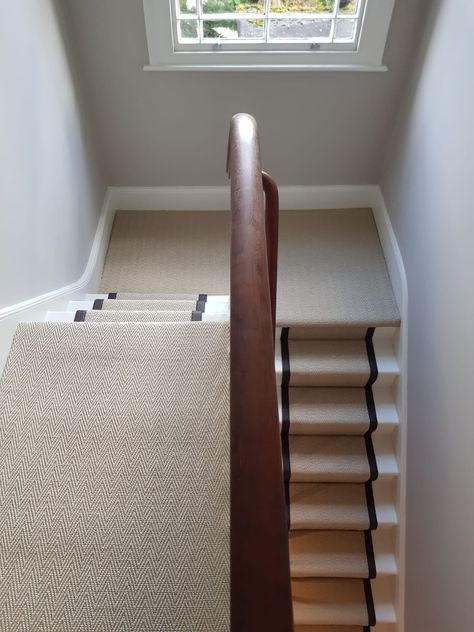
(51, 183)
(171, 128)
(428, 184)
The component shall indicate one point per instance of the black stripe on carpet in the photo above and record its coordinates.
(374, 372)
(369, 446)
(369, 343)
(80, 316)
(202, 297)
(200, 306)
(98, 303)
(285, 416)
(372, 411)
(369, 495)
(369, 549)
(196, 315)
(112, 295)
(370, 602)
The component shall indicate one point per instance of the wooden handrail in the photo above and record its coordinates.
(260, 576)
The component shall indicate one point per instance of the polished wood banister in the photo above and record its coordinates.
(260, 576)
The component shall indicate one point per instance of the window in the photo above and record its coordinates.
(267, 34)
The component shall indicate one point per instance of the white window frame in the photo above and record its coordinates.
(365, 54)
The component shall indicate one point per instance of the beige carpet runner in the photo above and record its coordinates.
(114, 485)
(327, 418)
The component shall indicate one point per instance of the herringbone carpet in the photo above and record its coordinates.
(114, 485)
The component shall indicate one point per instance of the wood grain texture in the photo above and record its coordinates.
(260, 574)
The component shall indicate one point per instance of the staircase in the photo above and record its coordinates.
(338, 421)
(338, 418)
(116, 467)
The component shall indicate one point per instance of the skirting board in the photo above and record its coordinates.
(218, 198)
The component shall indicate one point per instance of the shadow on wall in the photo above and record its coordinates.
(51, 183)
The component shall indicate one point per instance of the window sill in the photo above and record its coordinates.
(264, 68)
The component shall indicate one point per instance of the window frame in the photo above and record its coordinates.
(364, 55)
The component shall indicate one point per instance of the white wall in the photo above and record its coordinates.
(171, 128)
(51, 185)
(428, 183)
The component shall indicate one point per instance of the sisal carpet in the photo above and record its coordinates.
(320, 599)
(123, 316)
(114, 486)
(331, 266)
(328, 554)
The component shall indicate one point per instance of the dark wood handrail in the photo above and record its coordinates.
(260, 576)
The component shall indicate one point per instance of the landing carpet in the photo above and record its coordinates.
(331, 265)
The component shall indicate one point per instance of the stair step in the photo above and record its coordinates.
(339, 459)
(341, 553)
(330, 602)
(335, 363)
(130, 296)
(156, 306)
(338, 411)
(340, 506)
(341, 602)
(100, 316)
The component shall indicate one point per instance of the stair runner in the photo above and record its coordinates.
(328, 416)
(114, 485)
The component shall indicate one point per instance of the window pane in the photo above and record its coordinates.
(188, 29)
(302, 6)
(349, 6)
(345, 30)
(233, 29)
(186, 6)
(232, 6)
(300, 29)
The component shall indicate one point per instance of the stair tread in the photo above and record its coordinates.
(328, 554)
(337, 410)
(329, 602)
(209, 308)
(329, 459)
(328, 362)
(342, 602)
(340, 459)
(347, 554)
(329, 506)
(155, 306)
(133, 296)
(101, 316)
(335, 363)
(339, 506)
